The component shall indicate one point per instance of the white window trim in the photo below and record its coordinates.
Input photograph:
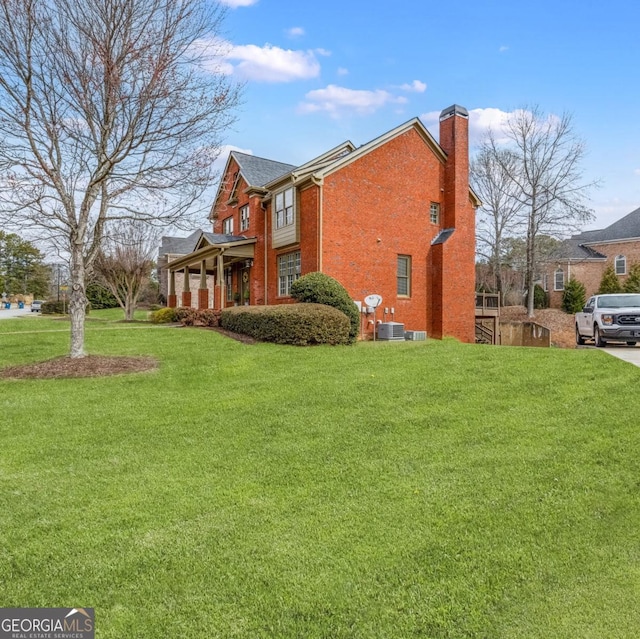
(407, 277)
(555, 280)
(434, 212)
(244, 217)
(227, 222)
(623, 261)
(285, 216)
(292, 271)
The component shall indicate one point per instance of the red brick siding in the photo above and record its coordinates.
(375, 209)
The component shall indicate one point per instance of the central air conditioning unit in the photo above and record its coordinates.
(415, 336)
(391, 331)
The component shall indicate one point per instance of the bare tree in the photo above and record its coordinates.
(106, 112)
(545, 177)
(123, 265)
(498, 217)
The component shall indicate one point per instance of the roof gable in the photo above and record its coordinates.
(260, 171)
(414, 123)
(625, 228)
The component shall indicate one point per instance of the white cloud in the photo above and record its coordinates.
(295, 32)
(267, 63)
(260, 64)
(342, 71)
(234, 4)
(503, 48)
(336, 100)
(637, 171)
(415, 87)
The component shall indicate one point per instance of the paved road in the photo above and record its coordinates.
(14, 311)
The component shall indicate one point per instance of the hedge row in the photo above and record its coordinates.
(186, 316)
(297, 324)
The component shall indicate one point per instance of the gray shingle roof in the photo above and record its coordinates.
(185, 245)
(260, 171)
(221, 238)
(179, 245)
(625, 228)
(573, 249)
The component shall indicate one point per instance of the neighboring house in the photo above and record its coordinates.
(394, 217)
(586, 256)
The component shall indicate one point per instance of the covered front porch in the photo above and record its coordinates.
(225, 259)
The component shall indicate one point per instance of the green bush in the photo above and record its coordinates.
(55, 307)
(632, 283)
(609, 282)
(297, 324)
(59, 307)
(574, 296)
(318, 288)
(540, 297)
(163, 316)
(100, 297)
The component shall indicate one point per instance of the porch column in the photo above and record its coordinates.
(172, 299)
(218, 289)
(186, 291)
(203, 291)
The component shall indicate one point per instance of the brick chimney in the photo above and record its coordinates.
(454, 139)
(453, 250)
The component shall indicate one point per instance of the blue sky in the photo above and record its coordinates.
(319, 73)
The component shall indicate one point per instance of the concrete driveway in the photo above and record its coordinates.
(629, 354)
(14, 311)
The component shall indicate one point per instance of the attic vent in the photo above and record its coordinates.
(391, 331)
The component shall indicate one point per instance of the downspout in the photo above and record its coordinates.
(320, 183)
(266, 261)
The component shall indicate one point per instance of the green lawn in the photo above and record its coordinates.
(386, 490)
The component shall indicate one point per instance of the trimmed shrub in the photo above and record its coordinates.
(198, 317)
(59, 307)
(297, 324)
(318, 288)
(163, 316)
(574, 296)
(609, 282)
(632, 283)
(100, 297)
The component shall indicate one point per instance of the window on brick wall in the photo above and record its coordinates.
(227, 225)
(621, 265)
(545, 282)
(288, 271)
(244, 218)
(403, 275)
(284, 208)
(558, 280)
(434, 213)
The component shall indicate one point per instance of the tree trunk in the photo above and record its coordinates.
(77, 306)
(531, 264)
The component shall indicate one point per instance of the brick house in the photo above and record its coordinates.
(586, 256)
(394, 217)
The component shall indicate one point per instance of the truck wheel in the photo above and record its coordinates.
(631, 343)
(579, 338)
(600, 343)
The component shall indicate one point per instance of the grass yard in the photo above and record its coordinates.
(386, 490)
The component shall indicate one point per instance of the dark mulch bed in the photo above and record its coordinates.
(89, 366)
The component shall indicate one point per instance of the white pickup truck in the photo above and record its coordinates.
(614, 317)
